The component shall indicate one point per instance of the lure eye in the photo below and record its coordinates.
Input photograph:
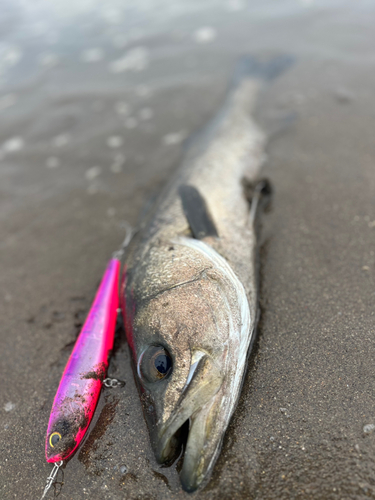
(155, 363)
(54, 439)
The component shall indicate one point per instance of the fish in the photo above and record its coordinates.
(79, 389)
(189, 291)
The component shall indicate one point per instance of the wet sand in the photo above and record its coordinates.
(89, 134)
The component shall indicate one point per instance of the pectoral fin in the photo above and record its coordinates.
(255, 193)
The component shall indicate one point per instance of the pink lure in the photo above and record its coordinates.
(80, 385)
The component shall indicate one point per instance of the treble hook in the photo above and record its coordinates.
(51, 478)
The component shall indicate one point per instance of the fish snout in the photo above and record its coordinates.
(195, 406)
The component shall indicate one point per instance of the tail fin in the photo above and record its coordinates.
(252, 67)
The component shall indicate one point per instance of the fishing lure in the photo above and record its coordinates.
(81, 382)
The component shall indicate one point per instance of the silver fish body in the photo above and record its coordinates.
(190, 300)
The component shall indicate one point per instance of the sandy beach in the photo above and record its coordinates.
(96, 102)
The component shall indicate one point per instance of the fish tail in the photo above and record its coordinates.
(249, 76)
(250, 66)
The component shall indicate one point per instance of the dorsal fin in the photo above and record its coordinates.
(196, 212)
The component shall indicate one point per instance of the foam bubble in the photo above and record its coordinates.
(174, 138)
(13, 144)
(92, 173)
(61, 140)
(136, 60)
(122, 108)
(205, 34)
(9, 406)
(115, 141)
(235, 5)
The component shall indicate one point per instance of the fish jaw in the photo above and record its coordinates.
(203, 445)
(198, 403)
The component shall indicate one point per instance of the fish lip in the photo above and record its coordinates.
(194, 404)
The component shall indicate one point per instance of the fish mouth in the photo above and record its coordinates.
(198, 404)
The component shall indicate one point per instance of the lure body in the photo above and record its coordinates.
(80, 385)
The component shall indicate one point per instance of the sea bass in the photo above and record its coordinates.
(190, 286)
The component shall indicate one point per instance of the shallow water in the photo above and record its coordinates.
(96, 100)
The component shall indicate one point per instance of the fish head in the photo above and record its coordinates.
(185, 350)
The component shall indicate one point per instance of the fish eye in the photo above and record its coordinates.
(54, 439)
(155, 363)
